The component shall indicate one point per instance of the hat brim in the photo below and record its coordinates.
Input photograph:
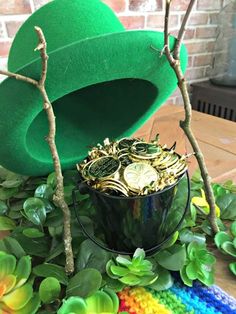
(107, 86)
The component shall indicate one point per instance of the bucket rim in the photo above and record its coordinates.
(133, 197)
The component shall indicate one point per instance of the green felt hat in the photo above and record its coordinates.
(103, 81)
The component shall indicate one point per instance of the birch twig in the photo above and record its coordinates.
(174, 60)
(59, 193)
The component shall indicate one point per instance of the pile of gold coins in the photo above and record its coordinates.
(131, 167)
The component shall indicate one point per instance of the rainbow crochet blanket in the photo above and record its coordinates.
(179, 299)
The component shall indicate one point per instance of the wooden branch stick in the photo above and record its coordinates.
(186, 124)
(59, 193)
(183, 29)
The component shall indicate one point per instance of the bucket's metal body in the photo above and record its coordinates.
(145, 221)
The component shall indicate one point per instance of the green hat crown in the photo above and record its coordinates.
(64, 22)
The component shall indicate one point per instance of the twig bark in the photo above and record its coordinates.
(59, 193)
(174, 60)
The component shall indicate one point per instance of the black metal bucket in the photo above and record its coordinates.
(146, 222)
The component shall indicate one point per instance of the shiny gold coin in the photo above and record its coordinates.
(138, 175)
(145, 149)
(114, 181)
(103, 167)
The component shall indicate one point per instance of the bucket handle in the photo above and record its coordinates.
(83, 190)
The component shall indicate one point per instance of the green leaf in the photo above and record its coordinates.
(164, 280)
(232, 267)
(187, 236)
(139, 254)
(99, 302)
(18, 298)
(173, 258)
(49, 290)
(234, 242)
(172, 240)
(12, 183)
(233, 228)
(119, 270)
(84, 283)
(108, 269)
(229, 248)
(92, 256)
(33, 246)
(33, 233)
(32, 306)
(191, 271)
(5, 193)
(208, 279)
(68, 194)
(7, 265)
(11, 246)
(205, 226)
(227, 204)
(51, 270)
(51, 180)
(49, 206)
(184, 277)
(44, 191)
(75, 305)
(124, 260)
(23, 270)
(3, 208)
(56, 251)
(196, 177)
(220, 238)
(6, 224)
(130, 280)
(35, 210)
(147, 280)
(113, 284)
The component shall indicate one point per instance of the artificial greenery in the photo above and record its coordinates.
(16, 291)
(226, 243)
(33, 234)
(132, 272)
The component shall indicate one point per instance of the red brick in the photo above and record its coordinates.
(14, 7)
(13, 27)
(39, 3)
(157, 21)
(132, 22)
(202, 60)
(196, 47)
(200, 47)
(189, 33)
(116, 5)
(4, 48)
(195, 73)
(1, 30)
(179, 5)
(209, 5)
(197, 19)
(145, 5)
(213, 18)
(190, 61)
(206, 32)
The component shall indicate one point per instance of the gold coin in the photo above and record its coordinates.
(138, 175)
(114, 181)
(104, 167)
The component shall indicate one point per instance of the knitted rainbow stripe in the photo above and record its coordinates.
(179, 299)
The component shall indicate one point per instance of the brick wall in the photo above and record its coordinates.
(136, 14)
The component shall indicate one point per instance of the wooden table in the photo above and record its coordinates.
(217, 139)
